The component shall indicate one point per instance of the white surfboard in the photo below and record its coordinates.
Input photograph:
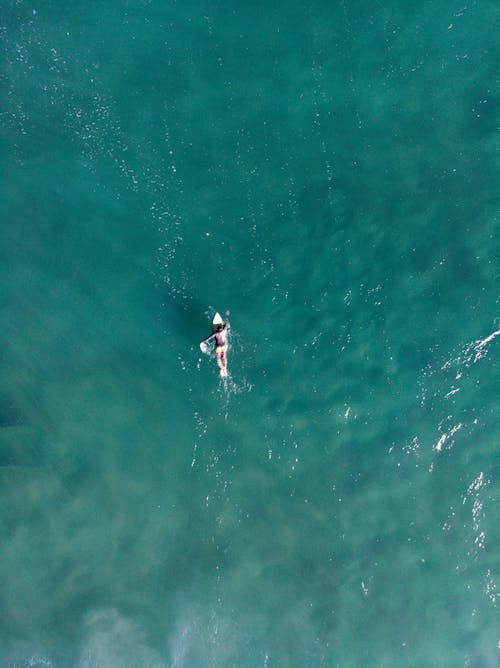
(217, 320)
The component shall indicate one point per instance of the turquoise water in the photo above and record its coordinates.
(329, 173)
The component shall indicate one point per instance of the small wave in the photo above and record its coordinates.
(39, 662)
(471, 353)
(447, 436)
(474, 495)
(115, 641)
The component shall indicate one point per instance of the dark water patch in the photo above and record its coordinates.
(22, 446)
(10, 416)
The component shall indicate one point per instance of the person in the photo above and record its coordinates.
(220, 336)
(219, 333)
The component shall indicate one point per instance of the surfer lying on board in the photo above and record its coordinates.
(221, 347)
(220, 330)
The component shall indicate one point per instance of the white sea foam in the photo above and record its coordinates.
(447, 436)
(37, 661)
(112, 640)
(471, 353)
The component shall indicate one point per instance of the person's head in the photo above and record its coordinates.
(220, 327)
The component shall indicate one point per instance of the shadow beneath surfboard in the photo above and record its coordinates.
(186, 318)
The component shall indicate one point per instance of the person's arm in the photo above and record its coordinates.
(227, 323)
(208, 338)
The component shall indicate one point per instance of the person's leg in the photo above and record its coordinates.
(222, 362)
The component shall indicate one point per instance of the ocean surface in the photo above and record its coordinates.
(329, 173)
